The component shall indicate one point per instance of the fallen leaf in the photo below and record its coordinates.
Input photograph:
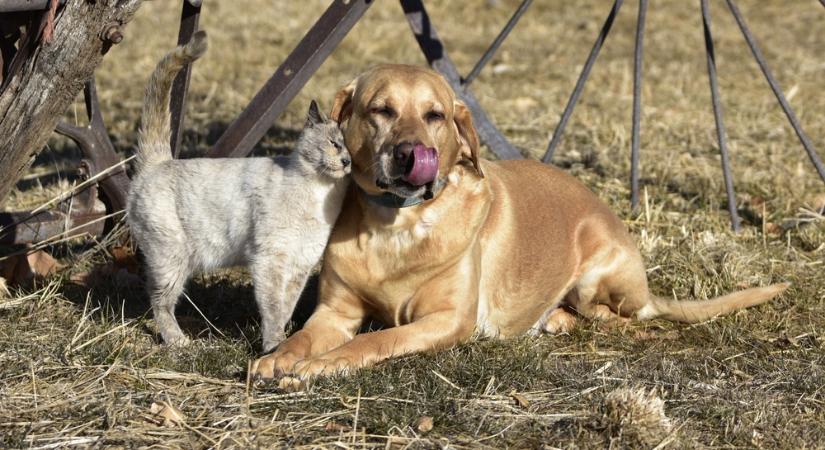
(22, 269)
(772, 228)
(424, 424)
(818, 202)
(335, 426)
(520, 399)
(125, 258)
(166, 414)
(42, 264)
(123, 268)
(757, 201)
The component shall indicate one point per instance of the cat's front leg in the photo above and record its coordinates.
(271, 275)
(283, 305)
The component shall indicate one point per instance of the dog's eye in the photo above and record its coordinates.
(385, 111)
(434, 116)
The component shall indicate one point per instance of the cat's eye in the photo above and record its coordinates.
(434, 116)
(335, 144)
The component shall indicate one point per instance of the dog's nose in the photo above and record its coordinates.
(402, 152)
(345, 161)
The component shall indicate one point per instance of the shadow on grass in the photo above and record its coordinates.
(222, 305)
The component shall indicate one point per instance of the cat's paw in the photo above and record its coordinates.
(177, 340)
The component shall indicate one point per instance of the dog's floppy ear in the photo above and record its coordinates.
(342, 105)
(467, 134)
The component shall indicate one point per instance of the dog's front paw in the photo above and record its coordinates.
(274, 365)
(315, 367)
(560, 321)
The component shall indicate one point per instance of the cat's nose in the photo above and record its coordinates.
(346, 161)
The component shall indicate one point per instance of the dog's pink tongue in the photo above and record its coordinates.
(424, 166)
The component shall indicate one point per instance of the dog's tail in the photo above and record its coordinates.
(155, 129)
(698, 311)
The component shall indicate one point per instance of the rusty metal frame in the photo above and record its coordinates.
(717, 116)
(95, 144)
(83, 211)
(436, 54)
(189, 18)
(7, 6)
(252, 124)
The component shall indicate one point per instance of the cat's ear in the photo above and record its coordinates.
(314, 115)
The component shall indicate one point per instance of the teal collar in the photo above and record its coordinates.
(390, 200)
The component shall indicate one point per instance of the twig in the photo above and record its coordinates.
(453, 385)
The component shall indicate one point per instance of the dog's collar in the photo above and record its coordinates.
(390, 200)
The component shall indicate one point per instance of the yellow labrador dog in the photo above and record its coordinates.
(439, 244)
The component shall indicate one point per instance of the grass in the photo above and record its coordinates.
(82, 366)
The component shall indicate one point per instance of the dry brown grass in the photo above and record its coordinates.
(82, 367)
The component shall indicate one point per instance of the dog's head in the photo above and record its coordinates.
(405, 129)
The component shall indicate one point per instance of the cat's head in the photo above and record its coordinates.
(321, 145)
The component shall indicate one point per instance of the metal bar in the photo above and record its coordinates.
(574, 97)
(777, 91)
(433, 49)
(49, 224)
(822, 1)
(637, 105)
(82, 210)
(25, 5)
(290, 77)
(95, 144)
(485, 58)
(717, 114)
(188, 25)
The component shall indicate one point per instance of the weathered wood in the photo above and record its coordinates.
(48, 81)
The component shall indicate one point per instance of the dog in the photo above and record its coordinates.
(498, 249)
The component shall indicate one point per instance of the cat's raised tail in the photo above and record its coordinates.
(155, 129)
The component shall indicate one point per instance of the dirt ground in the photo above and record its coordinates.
(82, 366)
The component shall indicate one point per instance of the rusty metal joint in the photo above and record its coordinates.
(111, 33)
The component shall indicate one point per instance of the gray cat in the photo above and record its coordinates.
(272, 214)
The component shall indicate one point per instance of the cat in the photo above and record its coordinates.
(271, 214)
